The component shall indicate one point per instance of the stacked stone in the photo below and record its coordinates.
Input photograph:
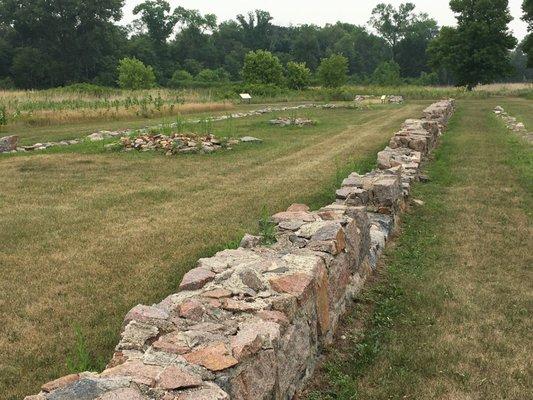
(250, 323)
(512, 123)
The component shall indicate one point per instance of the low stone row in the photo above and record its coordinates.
(513, 124)
(250, 323)
(10, 144)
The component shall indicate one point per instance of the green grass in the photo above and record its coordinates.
(87, 234)
(450, 316)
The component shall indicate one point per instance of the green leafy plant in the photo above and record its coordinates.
(267, 228)
(3, 116)
(333, 71)
(262, 67)
(133, 74)
(298, 75)
(80, 359)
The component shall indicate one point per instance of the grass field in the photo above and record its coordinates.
(81, 106)
(450, 316)
(87, 234)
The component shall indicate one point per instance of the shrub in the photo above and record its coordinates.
(333, 71)
(262, 67)
(298, 75)
(387, 74)
(133, 74)
(431, 79)
(208, 75)
(7, 83)
(180, 78)
(192, 66)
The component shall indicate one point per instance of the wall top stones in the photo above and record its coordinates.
(250, 323)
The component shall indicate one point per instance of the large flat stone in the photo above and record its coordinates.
(214, 357)
(298, 284)
(196, 279)
(175, 377)
(60, 383)
(123, 394)
(137, 371)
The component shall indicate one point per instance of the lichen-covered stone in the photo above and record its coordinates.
(214, 357)
(196, 279)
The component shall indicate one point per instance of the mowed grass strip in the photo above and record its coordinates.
(87, 236)
(450, 317)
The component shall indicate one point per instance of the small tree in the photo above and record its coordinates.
(297, 75)
(477, 51)
(180, 78)
(333, 71)
(387, 74)
(262, 67)
(133, 74)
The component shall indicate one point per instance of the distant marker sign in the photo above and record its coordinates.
(246, 97)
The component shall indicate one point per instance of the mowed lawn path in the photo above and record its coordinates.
(87, 236)
(451, 317)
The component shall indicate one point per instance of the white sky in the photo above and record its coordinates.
(286, 12)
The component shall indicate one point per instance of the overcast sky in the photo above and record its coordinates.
(286, 12)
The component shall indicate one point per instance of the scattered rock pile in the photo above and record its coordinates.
(288, 121)
(384, 99)
(13, 147)
(175, 144)
(513, 124)
(392, 99)
(250, 323)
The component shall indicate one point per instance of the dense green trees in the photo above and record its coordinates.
(55, 42)
(478, 50)
(408, 35)
(46, 43)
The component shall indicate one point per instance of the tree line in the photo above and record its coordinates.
(48, 43)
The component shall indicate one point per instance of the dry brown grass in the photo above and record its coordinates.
(86, 237)
(80, 115)
(63, 106)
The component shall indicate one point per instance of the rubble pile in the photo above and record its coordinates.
(250, 323)
(175, 143)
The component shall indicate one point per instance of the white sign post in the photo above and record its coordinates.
(245, 97)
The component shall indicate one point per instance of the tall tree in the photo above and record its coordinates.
(391, 23)
(257, 29)
(528, 17)
(407, 33)
(477, 51)
(159, 21)
(71, 40)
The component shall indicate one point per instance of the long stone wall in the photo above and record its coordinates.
(250, 323)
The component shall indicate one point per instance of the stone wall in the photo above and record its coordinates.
(250, 323)
(513, 125)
